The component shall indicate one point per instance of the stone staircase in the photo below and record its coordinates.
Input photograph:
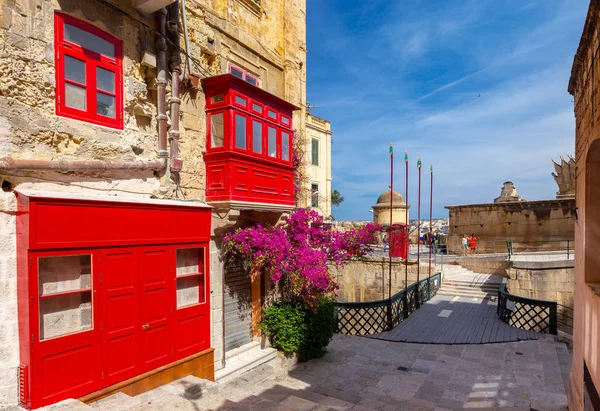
(459, 281)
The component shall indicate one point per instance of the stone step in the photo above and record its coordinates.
(117, 402)
(243, 350)
(67, 405)
(472, 287)
(244, 363)
(468, 295)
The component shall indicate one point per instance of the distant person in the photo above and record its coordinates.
(465, 245)
(473, 243)
(384, 240)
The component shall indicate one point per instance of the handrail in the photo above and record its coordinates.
(372, 317)
(527, 313)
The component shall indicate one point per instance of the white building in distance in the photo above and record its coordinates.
(318, 148)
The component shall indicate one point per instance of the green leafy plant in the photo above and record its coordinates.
(283, 323)
(320, 326)
(293, 329)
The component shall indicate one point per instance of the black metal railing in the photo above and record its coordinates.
(373, 317)
(527, 313)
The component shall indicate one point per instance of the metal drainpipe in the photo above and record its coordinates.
(161, 83)
(175, 163)
(188, 62)
(9, 163)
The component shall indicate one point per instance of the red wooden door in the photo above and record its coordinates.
(65, 346)
(157, 296)
(120, 325)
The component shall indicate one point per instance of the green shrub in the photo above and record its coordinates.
(294, 329)
(320, 326)
(284, 324)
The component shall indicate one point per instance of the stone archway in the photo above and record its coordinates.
(592, 214)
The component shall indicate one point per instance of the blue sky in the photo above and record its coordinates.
(478, 88)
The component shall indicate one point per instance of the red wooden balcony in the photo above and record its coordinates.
(249, 146)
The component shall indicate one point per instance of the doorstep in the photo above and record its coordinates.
(244, 359)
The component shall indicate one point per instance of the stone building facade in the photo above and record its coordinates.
(584, 381)
(124, 128)
(318, 146)
(530, 225)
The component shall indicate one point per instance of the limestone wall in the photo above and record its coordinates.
(9, 337)
(367, 280)
(381, 215)
(534, 225)
(492, 265)
(546, 280)
(584, 86)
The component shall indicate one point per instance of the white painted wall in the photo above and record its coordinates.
(320, 130)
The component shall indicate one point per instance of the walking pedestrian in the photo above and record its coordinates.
(465, 245)
(473, 243)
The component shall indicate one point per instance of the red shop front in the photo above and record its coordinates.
(111, 293)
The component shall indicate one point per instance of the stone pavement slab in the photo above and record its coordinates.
(360, 373)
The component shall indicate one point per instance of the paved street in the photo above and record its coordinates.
(365, 374)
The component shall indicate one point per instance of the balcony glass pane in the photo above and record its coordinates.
(257, 136)
(272, 114)
(285, 146)
(217, 99)
(216, 130)
(272, 143)
(257, 108)
(240, 131)
(240, 100)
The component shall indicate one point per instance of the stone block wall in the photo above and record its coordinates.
(546, 280)
(368, 279)
(534, 225)
(491, 265)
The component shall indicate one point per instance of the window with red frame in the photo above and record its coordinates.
(244, 75)
(89, 73)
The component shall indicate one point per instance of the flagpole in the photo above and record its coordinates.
(418, 304)
(389, 313)
(406, 238)
(430, 219)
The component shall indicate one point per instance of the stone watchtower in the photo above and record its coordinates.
(508, 194)
(381, 210)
